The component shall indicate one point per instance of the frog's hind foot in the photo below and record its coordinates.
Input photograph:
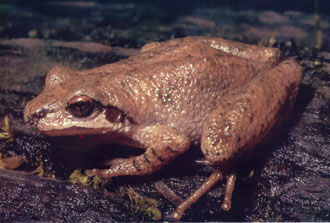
(216, 176)
(205, 187)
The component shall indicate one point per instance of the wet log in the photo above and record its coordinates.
(26, 197)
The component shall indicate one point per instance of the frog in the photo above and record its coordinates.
(222, 95)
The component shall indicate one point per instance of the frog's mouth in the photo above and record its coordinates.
(104, 120)
(73, 131)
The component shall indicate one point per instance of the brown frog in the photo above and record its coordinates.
(222, 94)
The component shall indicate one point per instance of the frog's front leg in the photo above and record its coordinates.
(163, 145)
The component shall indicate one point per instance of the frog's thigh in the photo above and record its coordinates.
(237, 125)
(163, 145)
(241, 120)
(222, 135)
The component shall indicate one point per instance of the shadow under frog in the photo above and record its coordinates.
(222, 94)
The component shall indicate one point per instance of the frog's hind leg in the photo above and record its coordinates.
(257, 53)
(244, 118)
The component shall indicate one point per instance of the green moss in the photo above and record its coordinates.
(95, 182)
(3, 164)
(144, 206)
(5, 132)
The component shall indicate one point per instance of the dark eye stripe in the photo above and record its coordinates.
(114, 115)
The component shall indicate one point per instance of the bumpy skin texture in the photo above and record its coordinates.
(247, 115)
(223, 94)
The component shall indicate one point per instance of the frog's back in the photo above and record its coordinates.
(179, 83)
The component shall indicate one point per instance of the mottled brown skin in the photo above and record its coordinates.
(223, 94)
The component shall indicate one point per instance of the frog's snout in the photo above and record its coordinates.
(33, 113)
(33, 119)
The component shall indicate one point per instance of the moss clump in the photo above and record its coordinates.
(139, 204)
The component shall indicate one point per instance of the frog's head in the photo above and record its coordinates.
(74, 103)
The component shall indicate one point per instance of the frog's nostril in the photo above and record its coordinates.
(39, 114)
(35, 117)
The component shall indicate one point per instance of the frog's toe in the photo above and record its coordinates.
(94, 172)
(90, 173)
(230, 185)
(105, 173)
(203, 162)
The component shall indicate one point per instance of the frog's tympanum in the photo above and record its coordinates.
(224, 95)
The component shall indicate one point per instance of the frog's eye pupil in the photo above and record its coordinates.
(81, 106)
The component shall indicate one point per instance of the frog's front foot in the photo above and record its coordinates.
(97, 172)
(114, 166)
(119, 167)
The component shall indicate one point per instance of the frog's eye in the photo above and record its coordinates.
(81, 106)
